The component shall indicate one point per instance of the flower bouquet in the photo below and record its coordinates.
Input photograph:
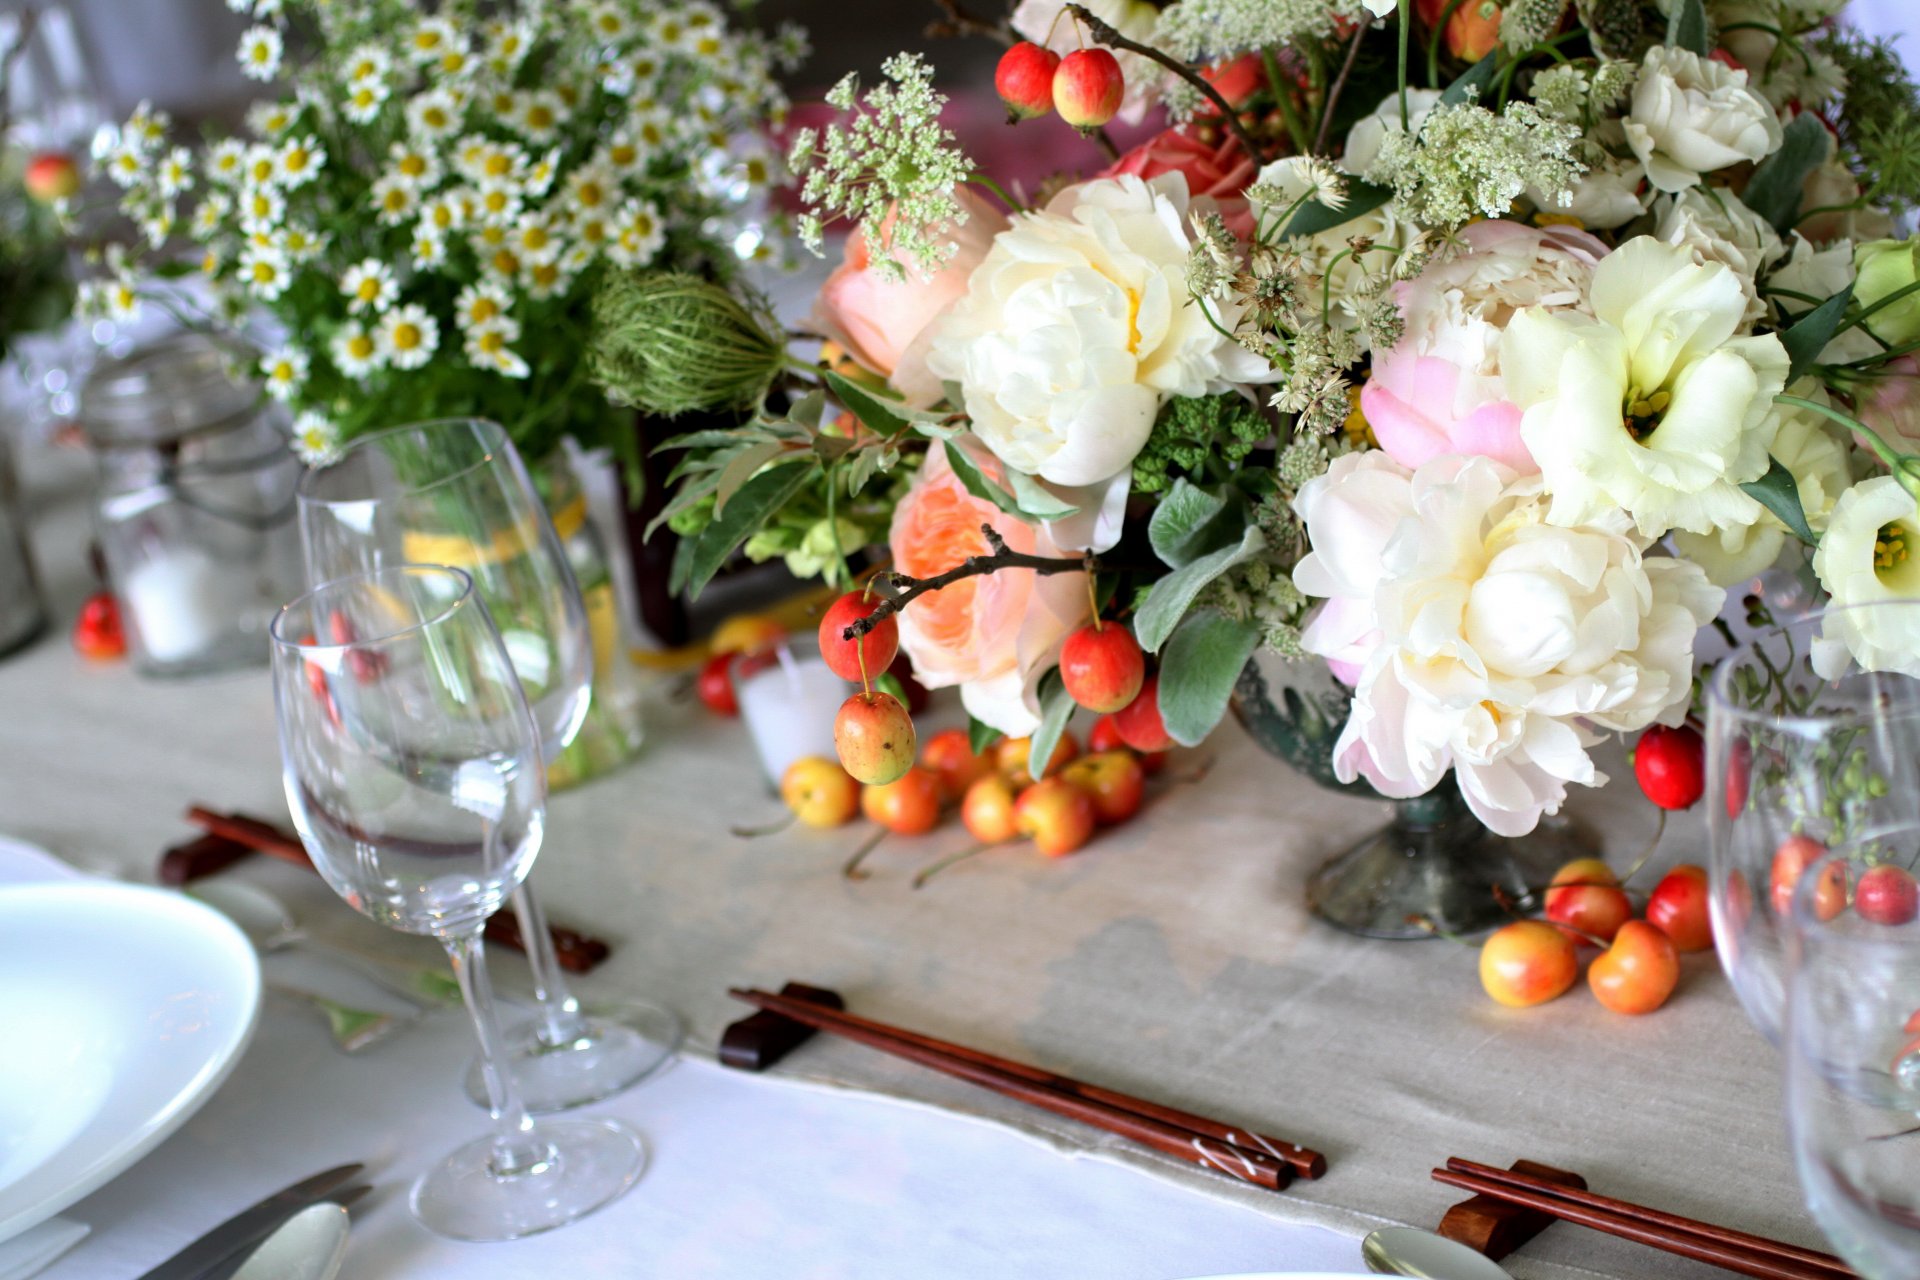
(1443, 364)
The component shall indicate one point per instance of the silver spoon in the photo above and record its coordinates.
(1409, 1251)
(271, 927)
(308, 1246)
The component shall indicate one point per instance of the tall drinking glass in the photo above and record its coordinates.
(413, 770)
(455, 492)
(1853, 1054)
(1806, 749)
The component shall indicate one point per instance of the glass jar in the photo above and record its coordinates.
(194, 505)
(23, 614)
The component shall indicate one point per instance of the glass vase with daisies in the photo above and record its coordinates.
(414, 220)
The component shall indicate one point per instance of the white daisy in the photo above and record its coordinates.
(173, 173)
(433, 115)
(262, 166)
(366, 62)
(622, 154)
(211, 214)
(652, 130)
(369, 285)
(542, 172)
(126, 164)
(157, 225)
(394, 200)
(417, 168)
(480, 304)
(670, 29)
(590, 189)
(364, 100)
(508, 44)
(316, 441)
(429, 252)
(260, 52)
(226, 161)
(455, 60)
(608, 22)
(270, 119)
(261, 209)
(441, 214)
(265, 271)
(298, 160)
(148, 125)
(429, 41)
(537, 116)
(354, 351)
(284, 370)
(497, 261)
(535, 238)
(637, 234)
(407, 336)
(300, 244)
(211, 262)
(501, 163)
(498, 204)
(489, 346)
(548, 279)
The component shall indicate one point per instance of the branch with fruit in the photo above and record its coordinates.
(897, 590)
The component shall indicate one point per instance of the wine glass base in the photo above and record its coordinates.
(625, 1042)
(592, 1163)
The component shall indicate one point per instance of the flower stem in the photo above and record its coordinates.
(897, 590)
(1104, 32)
(1406, 32)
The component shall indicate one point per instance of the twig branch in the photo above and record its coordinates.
(897, 590)
(1105, 34)
(960, 22)
(1333, 91)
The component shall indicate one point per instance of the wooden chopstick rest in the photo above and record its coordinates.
(759, 1040)
(1497, 1227)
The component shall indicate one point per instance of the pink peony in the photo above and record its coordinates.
(1891, 406)
(992, 635)
(1221, 172)
(886, 325)
(1438, 391)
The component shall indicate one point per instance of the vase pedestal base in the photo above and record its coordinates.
(1436, 869)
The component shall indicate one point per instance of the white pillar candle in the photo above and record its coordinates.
(789, 709)
(178, 603)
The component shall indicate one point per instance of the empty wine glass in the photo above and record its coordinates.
(455, 492)
(1799, 759)
(1853, 1050)
(413, 771)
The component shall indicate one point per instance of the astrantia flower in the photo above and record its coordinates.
(298, 160)
(260, 52)
(284, 370)
(1870, 554)
(1692, 115)
(407, 336)
(1651, 404)
(355, 352)
(265, 272)
(638, 234)
(316, 441)
(369, 285)
(1487, 640)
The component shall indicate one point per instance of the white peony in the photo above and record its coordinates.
(1078, 326)
(1717, 226)
(1369, 131)
(1691, 115)
(1652, 404)
(1046, 23)
(1491, 642)
(1870, 554)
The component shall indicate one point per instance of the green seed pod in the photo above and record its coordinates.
(669, 343)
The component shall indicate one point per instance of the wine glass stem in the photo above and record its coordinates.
(559, 1011)
(516, 1148)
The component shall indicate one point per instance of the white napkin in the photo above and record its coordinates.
(36, 1248)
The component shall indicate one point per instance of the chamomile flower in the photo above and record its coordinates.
(210, 215)
(489, 346)
(433, 115)
(442, 214)
(414, 166)
(316, 441)
(262, 167)
(454, 60)
(173, 173)
(652, 129)
(284, 371)
(428, 251)
(369, 285)
(260, 51)
(265, 271)
(609, 22)
(498, 204)
(366, 62)
(271, 119)
(364, 100)
(541, 173)
(227, 161)
(637, 234)
(298, 160)
(430, 40)
(480, 304)
(535, 239)
(590, 189)
(507, 45)
(547, 279)
(624, 152)
(671, 30)
(498, 261)
(126, 165)
(394, 200)
(579, 256)
(300, 244)
(156, 225)
(407, 336)
(355, 352)
(261, 209)
(505, 163)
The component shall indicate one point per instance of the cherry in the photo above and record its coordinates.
(714, 685)
(1088, 87)
(1671, 765)
(820, 793)
(1527, 962)
(1102, 666)
(1115, 780)
(1638, 972)
(907, 806)
(1886, 894)
(97, 633)
(878, 646)
(1024, 80)
(873, 735)
(1139, 724)
(1678, 907)
(1056, 815)
(949, 756)
(1591, 903)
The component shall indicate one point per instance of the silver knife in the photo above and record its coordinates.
(217, 1244)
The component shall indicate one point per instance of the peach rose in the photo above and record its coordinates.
(886, 326)
(1221, 171)
(993, 635)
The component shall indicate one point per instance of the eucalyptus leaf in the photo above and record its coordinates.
(741, 469)
(1774, 190)
(1779, 493)
(758, 499)
(1808, 336)
(1471, 82)
(1173, 595)
(1198, 671)
(1313, 217)
(1688, 27)
(809, 409)
(981, 735)
(875, 414)
(978, 485)
(1056, 709)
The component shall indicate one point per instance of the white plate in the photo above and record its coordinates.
(124, 1008)
(23, 863)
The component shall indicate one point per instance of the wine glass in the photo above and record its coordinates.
(1798, 759)
(455, 492)
(412, 767)
(1853, 1054)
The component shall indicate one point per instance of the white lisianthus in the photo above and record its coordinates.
(1691, 115)
(1369, 131)
(1717, 226)
(1870, 554)
(1489, 641)
(1077, 327)
(1651, 404)
(1046, 23)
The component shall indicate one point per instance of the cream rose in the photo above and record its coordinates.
(1717, 226)
(1870, 554)
(1078, 327)
(1691, 115)
(1490, 642)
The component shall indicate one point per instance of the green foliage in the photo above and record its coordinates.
(1879, 122)
(1056, 709)
(1198, 670)
(1774, 190)
(1197, 436)
(1779, 493)
(36, 292)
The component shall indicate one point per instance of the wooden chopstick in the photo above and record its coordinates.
(1731, 1257)
(1627, 1209)
(1256, 1167)
(576, 952)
